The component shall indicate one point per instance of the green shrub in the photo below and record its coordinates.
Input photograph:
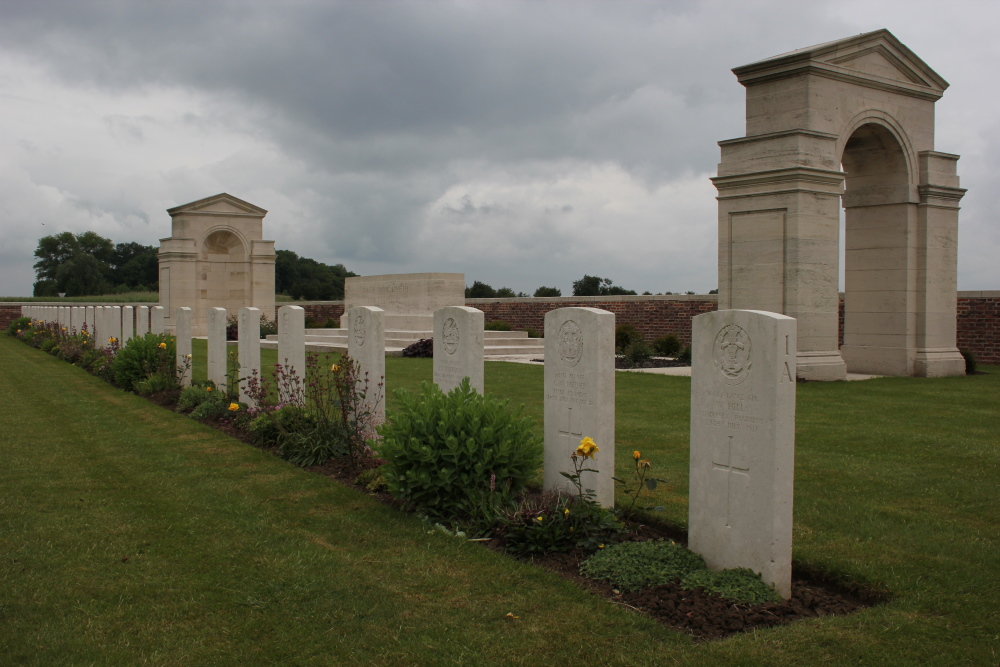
(625, 334)
(685, 355)
(142, 357)
(47, 344)
(630, 566)
(637, 352)
(155, 383)
(444, 450)
(667, 346)
(533, 333)
(214, 406)
(970, 361)
(557, 524)
(266, 429)
(498, 325)
(194, 396)
(20, 323)
(313, 446)
(740, 584)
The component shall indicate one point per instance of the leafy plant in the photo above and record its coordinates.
(625, 335)
(194, 396)
(740, 584)
(17, 325)
(422, 348)
(641, 482)
(142, 357)
(266, 428)
(630, 566)
(636, 353)
(667, 346)
(498, 325)
(685, 355)
(443, 449)
(557, 523)
(970, 361)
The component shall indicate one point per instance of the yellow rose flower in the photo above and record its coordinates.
(587, 448)
(334, 368)
(540, 518)
(637, 455)
(234, 407)
(162, 346)
(208, 389)
(566, 511)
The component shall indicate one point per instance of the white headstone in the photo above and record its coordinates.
(88, 319)
(156, 316)
(182, 332)
(74, 319)
(743, 442)
(115, 324)
(366, 347)
(100, 327)
(580, 397)
(217, 347)
(248, 328)
(458, 347)
(292, 341)
(141, 321)
(128, 322)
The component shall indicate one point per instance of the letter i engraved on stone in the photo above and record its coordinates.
(733, 474)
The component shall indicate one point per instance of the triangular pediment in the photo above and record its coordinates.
(874, 59)
(222, 203)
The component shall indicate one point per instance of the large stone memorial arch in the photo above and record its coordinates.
(847, 123)
(216, 257)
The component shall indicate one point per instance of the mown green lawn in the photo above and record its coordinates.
(130, 534)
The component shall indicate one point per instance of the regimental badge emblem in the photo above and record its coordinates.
(450, 334)
(359, 330)
(732, 354)
(570, 343)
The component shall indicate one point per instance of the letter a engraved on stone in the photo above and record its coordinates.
(733, 473)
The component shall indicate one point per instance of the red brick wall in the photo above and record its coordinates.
(978, 326)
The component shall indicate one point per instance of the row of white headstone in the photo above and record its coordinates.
(742, 403)
(104, 323)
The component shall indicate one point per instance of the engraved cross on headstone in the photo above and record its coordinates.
(733, 472)
(567, 431)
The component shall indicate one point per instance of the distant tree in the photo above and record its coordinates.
(82, 275)
(480, 290)
(595, 286)
(548, 291)
(505, 293)
(135, 267)
(304, 278)
(714, 291)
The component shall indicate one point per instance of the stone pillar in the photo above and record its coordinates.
(182, 332)
(366, 347)
(249, 346)
(458, 347)
(742, 461)
(157, 315)
(217, 347)
(292, 341)
(141, 321)
(128, 324)
(580, 397)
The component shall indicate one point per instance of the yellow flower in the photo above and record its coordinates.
(18, 331)
(187, 356)
(645, 463)
(334, 368)
(540, 518)
(587, 448)
(636, 455)
(111, 340)
(234, 407)
(208, 389)
(600, 546)
(566, 511)
(162, 346)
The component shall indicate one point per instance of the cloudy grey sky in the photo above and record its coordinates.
(520, 143)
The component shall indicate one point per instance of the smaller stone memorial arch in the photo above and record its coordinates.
(216, 258)
(847, 123)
